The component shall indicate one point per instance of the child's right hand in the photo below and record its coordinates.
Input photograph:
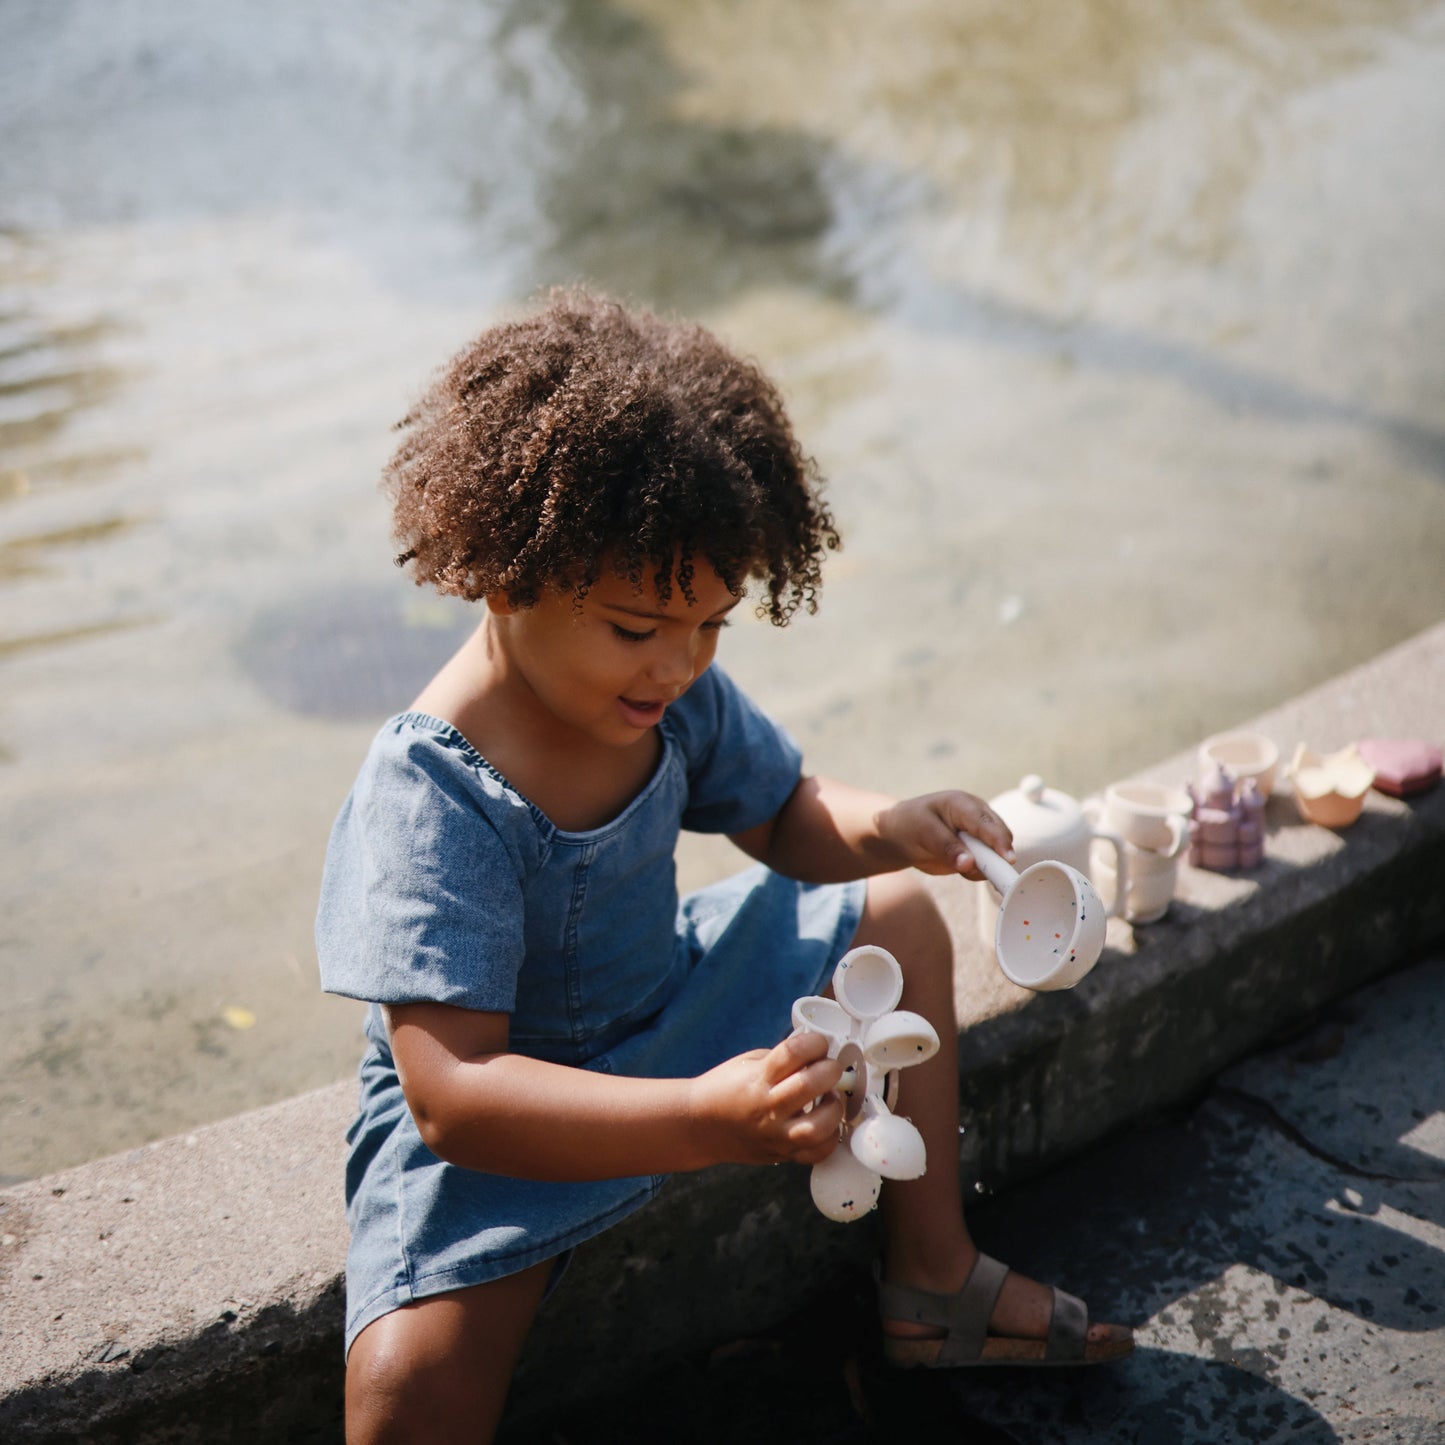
(753, 1109)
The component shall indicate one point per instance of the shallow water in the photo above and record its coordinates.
(1121, 340)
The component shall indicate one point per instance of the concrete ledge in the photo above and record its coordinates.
(191, 1290)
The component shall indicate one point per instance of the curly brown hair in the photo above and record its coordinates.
(587, 435)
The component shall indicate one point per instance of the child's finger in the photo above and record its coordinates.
(815, 1153)
(995, 832)
(801, 1088)
(795, 1052)
(965, 813)
(811, 1137)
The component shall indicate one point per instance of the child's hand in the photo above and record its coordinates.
(925, 830)
(753, 1109)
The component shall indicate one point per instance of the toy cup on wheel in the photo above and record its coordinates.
(818, 1015)
(1050, 929)
(868, 982)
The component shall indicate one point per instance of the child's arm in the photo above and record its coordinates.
(830, 832)
(479, 1106)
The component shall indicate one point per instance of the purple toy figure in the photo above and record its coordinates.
(1226, 827)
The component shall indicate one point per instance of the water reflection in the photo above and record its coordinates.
(679, 153)
(21, 556)
(648, 203)
(48, 372)
(1119, 337)
(1102, 348)
(352, 654)
(1117, 131)
(29, 642)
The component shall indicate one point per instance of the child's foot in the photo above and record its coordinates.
(995, 1316)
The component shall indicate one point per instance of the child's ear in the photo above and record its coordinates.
(499, 604)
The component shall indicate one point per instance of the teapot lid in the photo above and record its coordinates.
(1041, 818)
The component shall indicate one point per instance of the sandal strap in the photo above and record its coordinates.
(963, 1315)
(1068, 1328)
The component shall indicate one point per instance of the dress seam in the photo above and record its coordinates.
(570, 945)
(439, 727)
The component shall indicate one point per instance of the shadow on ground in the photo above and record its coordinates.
(1276, 1244)
(817, 1380)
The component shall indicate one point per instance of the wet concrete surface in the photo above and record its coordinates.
(1279, 1248)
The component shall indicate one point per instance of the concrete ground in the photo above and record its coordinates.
(1279, 1246)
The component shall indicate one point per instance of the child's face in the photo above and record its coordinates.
(610, 668)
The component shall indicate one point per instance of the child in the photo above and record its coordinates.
(550, 1031)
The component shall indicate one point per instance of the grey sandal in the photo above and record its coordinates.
(964, 1317)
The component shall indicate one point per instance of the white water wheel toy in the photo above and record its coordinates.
(872, 1039)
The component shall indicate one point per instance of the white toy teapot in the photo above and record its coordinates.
(872, 1038)
(1048, 824)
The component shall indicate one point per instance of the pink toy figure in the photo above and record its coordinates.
(1226, 826)
(872, 1039)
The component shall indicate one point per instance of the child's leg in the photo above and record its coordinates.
(438, 1370)
(926, 1242)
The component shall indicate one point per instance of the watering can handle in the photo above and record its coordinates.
(993, 867)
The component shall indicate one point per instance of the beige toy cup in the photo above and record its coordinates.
(1243, 755)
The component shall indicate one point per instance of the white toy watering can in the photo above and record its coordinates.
(1050, 928)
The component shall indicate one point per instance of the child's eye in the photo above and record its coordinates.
(716, 626)
(628, 636)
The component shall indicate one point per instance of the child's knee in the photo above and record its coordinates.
(397, 1393)
(439, 1369)
(385, 1381)
(902, 915)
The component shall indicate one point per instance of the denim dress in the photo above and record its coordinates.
(444, 884)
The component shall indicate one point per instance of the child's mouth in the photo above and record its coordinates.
(642, 714)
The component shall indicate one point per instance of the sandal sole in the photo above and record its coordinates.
(1000, 1350)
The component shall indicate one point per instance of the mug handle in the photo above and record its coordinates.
(1121, 868)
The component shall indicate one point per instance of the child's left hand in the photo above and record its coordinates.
(925, 831)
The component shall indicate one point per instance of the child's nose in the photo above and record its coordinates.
(677, 664)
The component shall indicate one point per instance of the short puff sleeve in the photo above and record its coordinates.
(741, 766)
(421, 895)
